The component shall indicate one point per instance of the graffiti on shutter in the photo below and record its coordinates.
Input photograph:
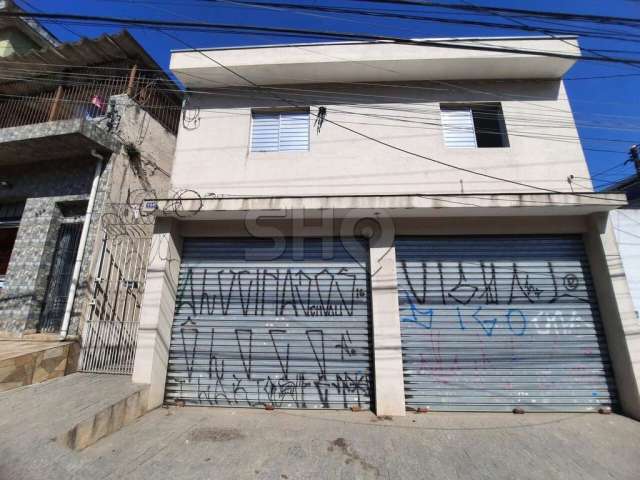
(491, 323)
(291, 333)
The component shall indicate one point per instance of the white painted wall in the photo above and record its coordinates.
(212, 153)
(363, 61)
(626, 227)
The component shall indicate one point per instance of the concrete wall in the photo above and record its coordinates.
(212, 154)
(128, 180)
(147, 175)
(621, 326)
(626, 228)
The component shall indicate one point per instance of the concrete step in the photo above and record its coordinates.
(106, 421)
(90, 405)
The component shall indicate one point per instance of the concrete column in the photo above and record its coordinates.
(156, 315)
(385, 312)
(622, 328)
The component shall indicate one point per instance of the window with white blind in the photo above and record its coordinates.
(279, 131)
(473, 126)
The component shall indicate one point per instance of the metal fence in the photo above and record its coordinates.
(110, 332)
(70, 100)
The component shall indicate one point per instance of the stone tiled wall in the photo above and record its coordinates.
(43, 185)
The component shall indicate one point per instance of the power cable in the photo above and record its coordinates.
(518, 22)
(33, 7)
(400, 118)
(227, 28)
(325, 92)
(518, 11)
(373, 13)
(599, 139)
(403, 119)
(386, 144)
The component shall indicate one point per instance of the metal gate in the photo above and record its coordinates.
(111, 330)
(258, 322)
(498, 322)
(55, 300)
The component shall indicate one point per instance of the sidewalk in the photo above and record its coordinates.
(227, 443)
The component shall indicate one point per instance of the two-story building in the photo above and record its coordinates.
(386, 226)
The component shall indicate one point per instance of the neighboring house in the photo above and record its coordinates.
(87, 130)
(306, 263)
(626, 226)
(19, 35)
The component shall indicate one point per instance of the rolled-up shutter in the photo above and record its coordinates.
(259, 322)
(498, 322)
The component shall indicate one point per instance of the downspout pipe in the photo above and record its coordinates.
(75, 276)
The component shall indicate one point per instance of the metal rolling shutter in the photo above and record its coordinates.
(251, 329)
(497, 322)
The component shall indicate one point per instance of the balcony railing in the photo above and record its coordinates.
(90, 100)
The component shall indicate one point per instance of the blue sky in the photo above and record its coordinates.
(607, 110)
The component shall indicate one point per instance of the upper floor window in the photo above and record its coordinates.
(473, 126)
(279, 131)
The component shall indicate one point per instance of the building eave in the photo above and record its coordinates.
(351, 62)
(209, 207)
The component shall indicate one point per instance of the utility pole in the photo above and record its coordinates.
(634, 157)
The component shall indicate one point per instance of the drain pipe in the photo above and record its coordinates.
(75, 277)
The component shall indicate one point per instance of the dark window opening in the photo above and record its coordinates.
(7, 240)
(76, 208)
(488, 123)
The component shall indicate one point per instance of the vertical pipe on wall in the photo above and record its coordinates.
(83, 240)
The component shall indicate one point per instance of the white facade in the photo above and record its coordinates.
(380, 153)
(626, 226)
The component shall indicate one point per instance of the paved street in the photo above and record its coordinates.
(219, 443)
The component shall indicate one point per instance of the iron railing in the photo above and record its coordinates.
(68, 100)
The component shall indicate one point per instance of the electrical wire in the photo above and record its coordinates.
(515, 132)
(518, 22)
(323, 91)
(386, 144)
(304, 9)
(518, 11)
(547, 52)
(434, 125)
(251, 29)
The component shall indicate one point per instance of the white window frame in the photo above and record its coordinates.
(279, 112)
(448, 129)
